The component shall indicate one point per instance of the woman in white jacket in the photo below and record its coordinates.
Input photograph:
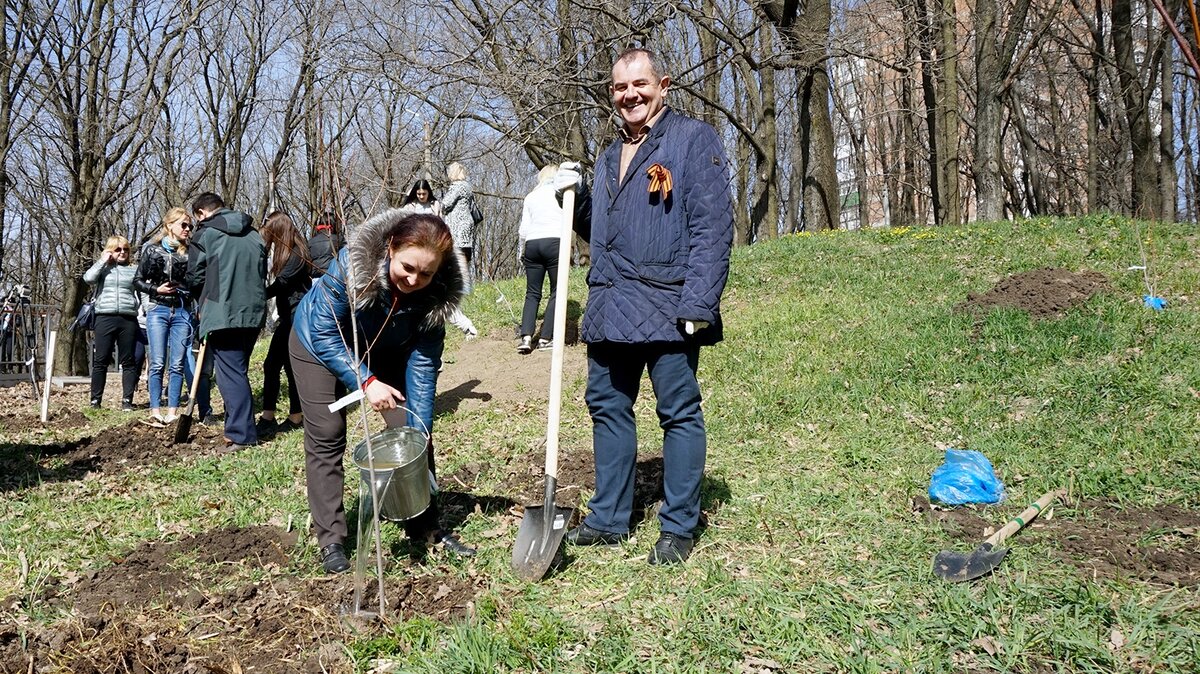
(539, 235)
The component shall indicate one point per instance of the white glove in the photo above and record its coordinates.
(691, 327)
(460, 321)
(570, 174)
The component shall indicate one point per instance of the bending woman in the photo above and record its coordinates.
(116, 318)
(407, 282)
(159, 276)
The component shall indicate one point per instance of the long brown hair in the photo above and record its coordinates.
(282, 240)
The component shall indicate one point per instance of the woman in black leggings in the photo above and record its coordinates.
(116, 318)
(289, 277)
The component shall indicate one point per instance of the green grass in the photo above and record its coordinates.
(844, 373)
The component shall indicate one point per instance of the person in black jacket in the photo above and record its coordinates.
(161, 268)
(324, 244)
(288, 279)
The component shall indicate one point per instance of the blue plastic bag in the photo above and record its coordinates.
(965, 476)
(1154, 302)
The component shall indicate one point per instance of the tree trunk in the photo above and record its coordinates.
(1145, 193)
(948, 118)
(929, 74)
(989, 183)
(808, 34)
(1168, 180)
(766, 197)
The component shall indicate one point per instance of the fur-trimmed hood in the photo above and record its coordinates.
(367, 250)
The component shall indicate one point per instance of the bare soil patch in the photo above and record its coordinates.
(1100, 538)
(221, 601)
(111, 450)
(1043, 293)
(488, 370)
(1105, 540)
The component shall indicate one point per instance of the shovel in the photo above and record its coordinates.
(183, 425)
(957, 567)
(543, 527)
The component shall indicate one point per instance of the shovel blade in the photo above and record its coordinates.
(538, 540)
(957, 567)
(183, 428)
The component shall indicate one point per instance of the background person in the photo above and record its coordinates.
(539, 235)
(456, 209)
(288, 268)
(227, 272)
(407, 283)
(660, 224)
(420, 199)
(325, 243)
(161, 269)
(116, 319)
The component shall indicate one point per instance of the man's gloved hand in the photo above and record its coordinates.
(692, 327)
(570, 175)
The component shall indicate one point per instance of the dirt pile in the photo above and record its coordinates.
(221, 601)
(1099, 538)
(111, 450)
(1044, 293)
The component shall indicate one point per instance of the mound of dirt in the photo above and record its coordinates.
(156, 610)
(1044, 293)
(1158, 545)
(111, 450)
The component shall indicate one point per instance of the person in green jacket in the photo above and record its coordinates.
(227, 274)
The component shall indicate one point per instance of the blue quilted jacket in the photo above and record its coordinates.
(656, 262)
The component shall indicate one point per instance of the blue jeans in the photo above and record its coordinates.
(614, 376)
(169, 331)
(230, 350)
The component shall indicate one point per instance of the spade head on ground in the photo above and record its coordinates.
(957, 567)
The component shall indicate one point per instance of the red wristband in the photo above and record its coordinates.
(368, 381)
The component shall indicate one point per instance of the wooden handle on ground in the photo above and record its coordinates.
(560, 333)
(1015, 524)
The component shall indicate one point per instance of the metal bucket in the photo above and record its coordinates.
(402, 479)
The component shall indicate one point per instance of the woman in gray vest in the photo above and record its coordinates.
(116, 318)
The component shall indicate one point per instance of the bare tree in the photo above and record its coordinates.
(808, 36)
(98, 80)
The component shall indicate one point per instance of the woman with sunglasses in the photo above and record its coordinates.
(159, 276)
(116, 318)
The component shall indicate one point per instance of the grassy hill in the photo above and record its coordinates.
(845, 372)
(847, 369)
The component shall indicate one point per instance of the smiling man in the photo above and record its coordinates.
(660, 223)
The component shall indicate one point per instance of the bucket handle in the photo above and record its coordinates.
(423, 428)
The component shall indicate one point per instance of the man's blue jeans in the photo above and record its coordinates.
(614, 375)
(169, 332)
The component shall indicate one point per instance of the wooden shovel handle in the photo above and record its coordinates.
(1027, 515)
(196, 378)
(560, 333)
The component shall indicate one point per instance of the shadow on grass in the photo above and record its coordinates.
(447, 402)
(20, 464)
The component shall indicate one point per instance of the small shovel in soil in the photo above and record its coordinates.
(183, 425)
(543, 527)
(957, 567)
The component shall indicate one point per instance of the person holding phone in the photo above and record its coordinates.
(159, 275)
